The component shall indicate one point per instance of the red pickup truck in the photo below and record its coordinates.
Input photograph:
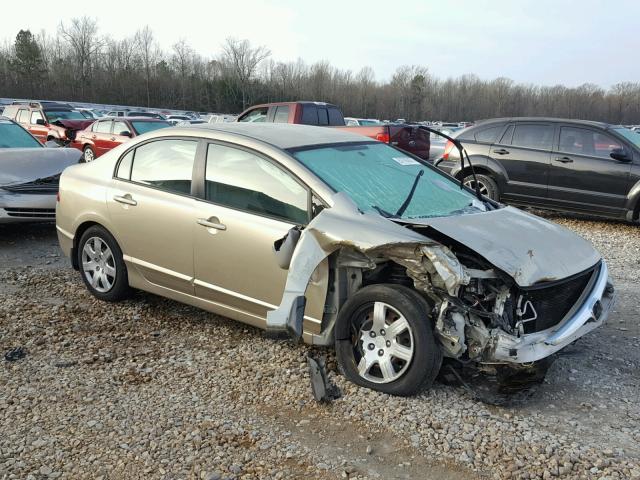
(406, 137)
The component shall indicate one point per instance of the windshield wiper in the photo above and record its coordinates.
(382, 212)
(407, 201)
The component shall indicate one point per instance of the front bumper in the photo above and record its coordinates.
(24, 207)
(593, 311)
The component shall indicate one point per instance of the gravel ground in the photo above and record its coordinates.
(149, 388)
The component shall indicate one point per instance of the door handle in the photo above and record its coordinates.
(501, 151)
(93, 136)
(126, 199)
(564, 159)
(211, 222)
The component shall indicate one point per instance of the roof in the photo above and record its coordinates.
(280, 135)
(544, 119)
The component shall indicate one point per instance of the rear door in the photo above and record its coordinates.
(524, 150)
(583, 175)
(100, 136)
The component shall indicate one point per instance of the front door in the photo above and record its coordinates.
(37, 130)
(121, 133)
(248, 203)
(583, 176)
(524, 150)
(151, 208)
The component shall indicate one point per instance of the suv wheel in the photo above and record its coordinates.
(88, 154)
(384, 340)
(487, 185)
(101, 265)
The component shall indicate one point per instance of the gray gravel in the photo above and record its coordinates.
(150, 388)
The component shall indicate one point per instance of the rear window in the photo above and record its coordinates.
(336, 118)
(323, 116)
(282, 114)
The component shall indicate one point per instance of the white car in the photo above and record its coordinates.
(29, 174)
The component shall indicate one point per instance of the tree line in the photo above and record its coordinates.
(78, 63)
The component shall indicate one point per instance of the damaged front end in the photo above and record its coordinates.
(479, 312)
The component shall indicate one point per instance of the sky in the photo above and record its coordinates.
(542, 42)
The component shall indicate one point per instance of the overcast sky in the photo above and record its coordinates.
(538, 41)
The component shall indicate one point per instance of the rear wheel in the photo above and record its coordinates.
(101, 265)
(88, 154)
(384, 340)
(487, 185)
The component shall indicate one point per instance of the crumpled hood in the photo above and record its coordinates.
(74, 124)
(21, 165)
(528, 248)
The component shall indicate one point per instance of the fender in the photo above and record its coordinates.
(486, 163)
(632, 203)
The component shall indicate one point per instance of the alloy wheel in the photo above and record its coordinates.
(481, 186)
(88, 155)
(383, 343)
(98, 264)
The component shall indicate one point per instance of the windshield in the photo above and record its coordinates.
(370, 122)
(55, 115)
(380, 178)
(630, 135)
(14, 136)
(140, 126)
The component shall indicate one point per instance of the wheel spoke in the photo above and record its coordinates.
(386, 367)
(97, 245)
(87, 249)
(363, 366)
(379, 315)
(95, 276)
(401, 352)
(397, 327)
(109, 270)
(89, 266)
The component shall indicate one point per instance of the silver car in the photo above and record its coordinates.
(337, 239)
(29, 174)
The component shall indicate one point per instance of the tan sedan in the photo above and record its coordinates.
(325, 235)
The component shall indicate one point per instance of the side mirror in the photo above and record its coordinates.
(620, 154)
(40, 121)
(125, 133)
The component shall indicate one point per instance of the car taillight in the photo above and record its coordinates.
(447, 150)
(383, 137)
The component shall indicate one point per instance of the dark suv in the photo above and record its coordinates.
(569, 165)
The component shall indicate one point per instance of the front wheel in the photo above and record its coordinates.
(385, 341)
(487, 185)
(101, 265)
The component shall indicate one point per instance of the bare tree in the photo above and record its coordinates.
(82, 36)
(244, 61)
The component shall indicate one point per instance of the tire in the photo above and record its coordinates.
(488, 186)
(408, 361)
(88, 155)
(100, 258)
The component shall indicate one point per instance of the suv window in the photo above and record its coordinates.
(507, 136)
(335, 116)
(35, 116)
(23, 116)
(309, 114)
(243, 180)
(255, 115)
(323, 116)
(165, 164)
(583, 141)
(488, 135)
(533, 136)
(102, 127)
(282, 114)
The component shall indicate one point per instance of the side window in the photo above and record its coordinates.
(124, 167)
(533, 136)
(255, 115)
(35, 116)
(582, 141)
(309, 114)
(23, 116)
(102, 127)
(165, 164)
(488, 135)
(282, 114)
(507, 136)
(120, 127)
(242, 180)
(335, 116)
(323, 116)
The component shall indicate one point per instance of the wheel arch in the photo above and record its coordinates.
(83, 227)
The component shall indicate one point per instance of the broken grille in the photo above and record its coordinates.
(553, 301)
